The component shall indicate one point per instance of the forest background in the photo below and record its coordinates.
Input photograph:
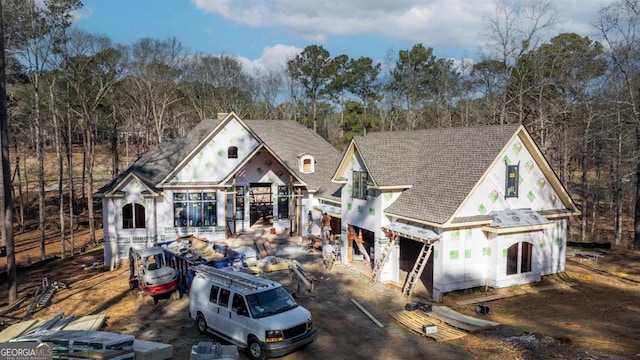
(72, 93)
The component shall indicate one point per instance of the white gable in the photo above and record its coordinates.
(534, 188)
(211, 163)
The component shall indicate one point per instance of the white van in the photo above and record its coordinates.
(249, 311)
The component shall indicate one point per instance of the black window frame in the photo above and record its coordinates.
(240, 202)
(283, 202)
(232, 152)
(133, 216)
(519, 258)
(195, 209)
(359, 187)
(511, 181)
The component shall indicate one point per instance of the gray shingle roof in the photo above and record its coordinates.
(442, 165)
(287, 139)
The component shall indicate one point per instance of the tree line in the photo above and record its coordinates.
(578, 96)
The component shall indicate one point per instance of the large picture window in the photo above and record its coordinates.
(360, 179)
(519, 258)
(512, 181)
(133, 216)
(195, 209)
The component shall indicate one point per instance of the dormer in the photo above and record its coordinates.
(306, 163)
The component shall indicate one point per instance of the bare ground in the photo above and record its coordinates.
(596, 317)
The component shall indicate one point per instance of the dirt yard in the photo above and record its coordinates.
(595, 316)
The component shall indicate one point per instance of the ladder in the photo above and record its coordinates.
(377, 269)
(418, 268)
(363, 251)
(230, 277)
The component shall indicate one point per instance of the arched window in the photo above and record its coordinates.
(232, 152)
(519, 258)
(133, 216)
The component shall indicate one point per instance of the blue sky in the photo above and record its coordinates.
(264, 33)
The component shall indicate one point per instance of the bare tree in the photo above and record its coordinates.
(6, 204)
(513, 29)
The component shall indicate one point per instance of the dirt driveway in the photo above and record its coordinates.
(596, 315)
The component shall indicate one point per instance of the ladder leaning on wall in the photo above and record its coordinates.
(377, 269)
(417, 270)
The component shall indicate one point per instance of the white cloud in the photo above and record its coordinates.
(273, 58)
(438, 23)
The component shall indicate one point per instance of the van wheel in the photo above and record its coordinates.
(255, 349)
(201, 324)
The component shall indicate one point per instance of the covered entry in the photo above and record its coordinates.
(416, 262)
(260, 203)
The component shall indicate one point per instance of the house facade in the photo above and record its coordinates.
(223, 177)
(447, 209)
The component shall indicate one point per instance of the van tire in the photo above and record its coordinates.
(256, 352)
(201, 324)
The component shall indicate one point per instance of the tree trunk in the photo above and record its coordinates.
(636, 218)
(90, 155)
(59, 157)
(6, 201)
(40, 157)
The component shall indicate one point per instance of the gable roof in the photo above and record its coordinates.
(284, 138)
(438, 167)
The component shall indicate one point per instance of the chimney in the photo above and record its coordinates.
(221, 116)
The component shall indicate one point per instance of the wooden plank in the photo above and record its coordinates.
(367, 313)
(16, 330)
(88, 322)
(415, 320)
(452, 314)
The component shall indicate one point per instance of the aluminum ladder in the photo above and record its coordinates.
(231, 278)
(417, 270)
(377, 269)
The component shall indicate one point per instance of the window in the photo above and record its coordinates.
(512, 181)
(360, 179)
(133, 216)
(224, 298)
(519, 254)
(213, 295)
(306, 163)
(239, 202)
(194, 209)
(283, 202)
(238, 305)
(232, 152)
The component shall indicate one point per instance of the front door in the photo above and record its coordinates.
(260, 203)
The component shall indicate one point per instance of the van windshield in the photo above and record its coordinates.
(270, 302)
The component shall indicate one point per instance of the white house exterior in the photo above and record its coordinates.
(216, 182)
(484, 197)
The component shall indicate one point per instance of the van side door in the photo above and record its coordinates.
(240, 318)
(212, 308)
(222, 322)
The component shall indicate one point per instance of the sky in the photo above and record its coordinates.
(263, 34)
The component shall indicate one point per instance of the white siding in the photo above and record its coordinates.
(535, 191)
(211, 164)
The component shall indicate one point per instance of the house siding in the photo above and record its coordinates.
(535, 191)
(211, 164)
(364, 214)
